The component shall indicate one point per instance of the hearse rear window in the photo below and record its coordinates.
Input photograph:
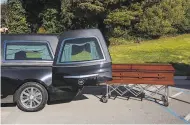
(27, 51)
(81, 49)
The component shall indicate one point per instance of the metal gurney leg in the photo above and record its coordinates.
(104, 98)
(165, 98)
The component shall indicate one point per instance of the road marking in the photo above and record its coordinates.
(181, 90)
(173, 96)
(177, 94)
(187, 117)
(175, 114)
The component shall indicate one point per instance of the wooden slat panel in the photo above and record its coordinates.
(154, 82)
(144, 78)
(150, 67)
(157, 74)
(142, 74)
(132, 74)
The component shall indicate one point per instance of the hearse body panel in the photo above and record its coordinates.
(16, 72)
(81, 71)
(54, 70)
(12, 77)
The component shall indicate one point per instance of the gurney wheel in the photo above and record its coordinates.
(165, 101)
(104, 99)
(109, 96)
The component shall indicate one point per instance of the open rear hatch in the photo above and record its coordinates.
(81, 59)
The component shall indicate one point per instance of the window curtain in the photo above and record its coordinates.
(94, 52)
(66, 56)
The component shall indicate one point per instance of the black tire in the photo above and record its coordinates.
(35, 85)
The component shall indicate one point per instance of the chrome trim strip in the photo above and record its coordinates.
(79, 65)
(81, 62)
(81, 76)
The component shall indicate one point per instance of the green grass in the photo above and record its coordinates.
(33, 55)
(81, 56)
(175, 50)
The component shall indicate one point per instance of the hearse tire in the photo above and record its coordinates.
(42, 93)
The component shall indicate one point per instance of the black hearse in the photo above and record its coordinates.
(37, 69)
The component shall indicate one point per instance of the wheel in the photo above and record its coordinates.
(165, 101)
(109, 96)
(31, 97)
(115, 96)
(141, 98)
(104, 99)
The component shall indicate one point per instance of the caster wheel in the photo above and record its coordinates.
(104, 99)
(165, 101)
(166, 104)
(141, 99)
(109, 96)
(115, 97)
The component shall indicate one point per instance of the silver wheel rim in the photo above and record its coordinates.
(31, 97)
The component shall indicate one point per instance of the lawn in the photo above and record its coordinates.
(173, 50)
(81, 56)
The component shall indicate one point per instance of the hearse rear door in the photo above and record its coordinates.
(81, 61)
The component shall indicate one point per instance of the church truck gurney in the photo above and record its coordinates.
(141, 80)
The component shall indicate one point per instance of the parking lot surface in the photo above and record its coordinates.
(87, 109)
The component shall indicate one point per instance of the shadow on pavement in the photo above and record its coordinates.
(8, 104)
(180, 100)
(101, 90)
(98, 91)
(77, 98)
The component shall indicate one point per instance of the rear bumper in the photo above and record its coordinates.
(61, 93)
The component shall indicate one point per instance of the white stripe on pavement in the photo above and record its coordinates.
(177, 94)
(187, 117)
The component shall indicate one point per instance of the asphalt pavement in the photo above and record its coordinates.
(87, 108)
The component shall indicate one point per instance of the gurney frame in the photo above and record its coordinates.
(137, 90)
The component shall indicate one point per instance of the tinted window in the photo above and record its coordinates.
(80, 49)
(27, 51)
